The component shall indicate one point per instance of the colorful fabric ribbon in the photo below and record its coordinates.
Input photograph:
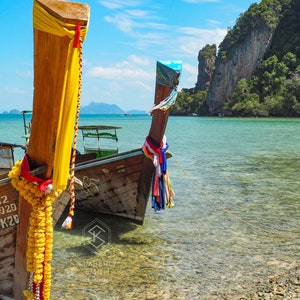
(26, 173)
(167, 102)
(162, 192)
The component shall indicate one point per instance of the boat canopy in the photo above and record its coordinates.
(100, 139)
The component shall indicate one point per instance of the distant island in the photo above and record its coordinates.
(97, 108)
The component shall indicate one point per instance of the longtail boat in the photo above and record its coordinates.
(120, 184)
(26, 248)
(117, 184)
(10, 216)
(9, 219)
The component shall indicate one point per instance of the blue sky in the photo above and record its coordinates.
(124, 41)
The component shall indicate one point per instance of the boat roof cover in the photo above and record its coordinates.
(98, 127)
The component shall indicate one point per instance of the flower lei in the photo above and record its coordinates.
(40, 234)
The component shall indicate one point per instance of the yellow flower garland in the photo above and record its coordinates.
(40, 234)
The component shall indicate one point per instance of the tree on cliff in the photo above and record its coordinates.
(189, 103)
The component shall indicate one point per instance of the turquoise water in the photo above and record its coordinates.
(235, 220)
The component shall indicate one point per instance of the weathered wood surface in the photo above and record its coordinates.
(156, 132)
(14, 215)
(50, 56)
(68, 12)
(121, 184)
(110, 185)
(9, 219)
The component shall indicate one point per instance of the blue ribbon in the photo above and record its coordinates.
(163, 165)
(158, 205)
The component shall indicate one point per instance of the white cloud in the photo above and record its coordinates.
(24, 73)
(16, 91)
(123, 22)
(134, 68)
(128, 20)
(194, 39)
(117, 4)
(116, 73)
(139, 60)
(191, 69)
(181, 40)
(137, 13)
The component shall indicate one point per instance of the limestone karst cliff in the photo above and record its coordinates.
(206, 66)
(244, 49)
(240, 62)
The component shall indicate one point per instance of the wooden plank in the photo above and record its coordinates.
(48, 83)
(68, 12)
(59, 206)
(21, 276)
(9, 219)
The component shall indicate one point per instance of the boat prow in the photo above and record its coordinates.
(118, 184)
(121, 184)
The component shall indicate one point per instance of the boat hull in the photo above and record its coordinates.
(115, 185)
(9, 220)
(13, 236)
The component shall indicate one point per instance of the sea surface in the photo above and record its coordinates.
(235, 221)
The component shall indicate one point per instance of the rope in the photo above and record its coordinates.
(232, 214)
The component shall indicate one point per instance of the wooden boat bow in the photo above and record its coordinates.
(59, 29)
(68, 12)
(125, 177)
(120, 184)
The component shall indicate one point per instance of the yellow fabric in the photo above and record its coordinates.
(43, 21)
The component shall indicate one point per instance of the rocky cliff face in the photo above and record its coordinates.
(236, 63)
(206, 67)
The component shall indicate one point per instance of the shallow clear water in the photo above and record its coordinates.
(235, 220)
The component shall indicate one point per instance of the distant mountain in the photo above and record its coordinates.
(12, 112)
(101, 108)
(104, 108)
(97, 108)
(136, 112)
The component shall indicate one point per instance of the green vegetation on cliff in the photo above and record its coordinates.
(268, 12)
(274, 90)
(188, 103)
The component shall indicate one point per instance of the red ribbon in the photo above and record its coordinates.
(77, 36)
(155, 148)
(25, 172)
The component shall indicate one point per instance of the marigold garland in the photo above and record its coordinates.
(40, 234)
